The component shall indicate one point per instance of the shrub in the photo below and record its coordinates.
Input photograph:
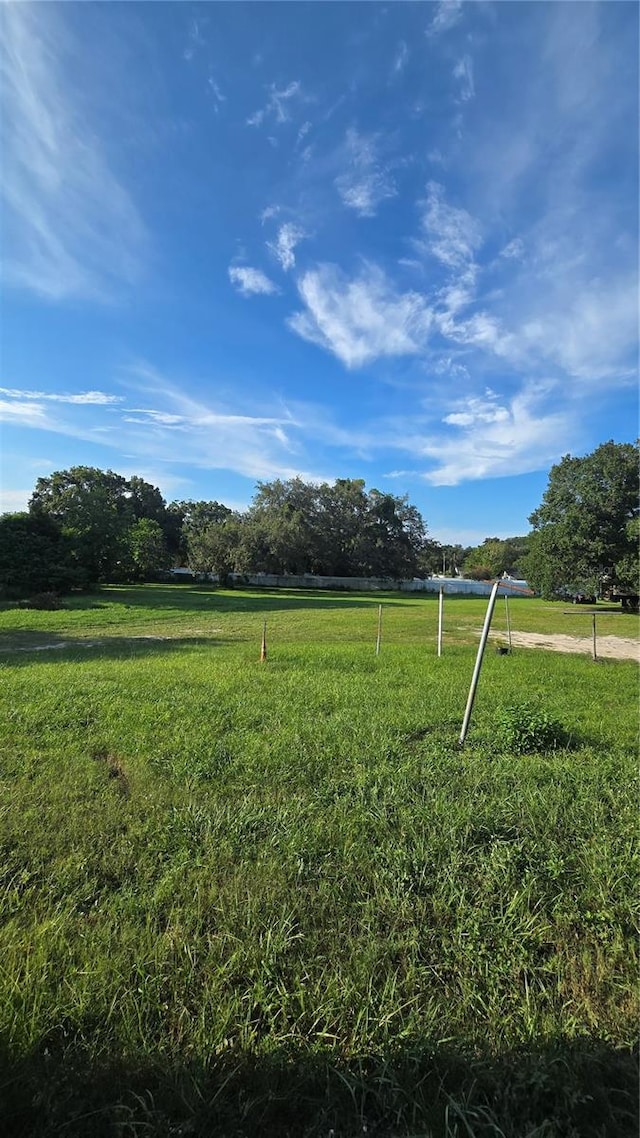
(47, 602)
(526, 727)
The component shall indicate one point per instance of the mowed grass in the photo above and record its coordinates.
(278, 899)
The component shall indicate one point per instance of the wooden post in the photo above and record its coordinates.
(476, 671)
(595, 653)
(379, 630)
(506, 605)
(440, 615)
(263, 647)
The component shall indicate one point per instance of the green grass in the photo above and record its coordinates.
(277, 899)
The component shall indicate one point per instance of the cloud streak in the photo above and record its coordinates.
(96, 398)
(251, 282)
(72, 229)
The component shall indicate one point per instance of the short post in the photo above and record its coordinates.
(263, 647)
(379, 637)
(440, 615)
(476, 671)
(506, 605)
(595, 653)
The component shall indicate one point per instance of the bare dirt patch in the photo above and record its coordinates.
(610, 647)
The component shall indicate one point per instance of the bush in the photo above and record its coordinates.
(526, 727)
(46, 602)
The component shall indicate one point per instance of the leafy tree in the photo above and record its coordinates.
(93, 512)
(586, 526)
(340, 529)
(148, 549)
(494, 557)
(145, 501)
(96, 510)
(35, 556)
(215, 548)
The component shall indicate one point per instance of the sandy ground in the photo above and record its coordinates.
(612, 647)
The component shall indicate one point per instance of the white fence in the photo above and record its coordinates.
(452, 586)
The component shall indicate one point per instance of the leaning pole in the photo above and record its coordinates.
(476, 671)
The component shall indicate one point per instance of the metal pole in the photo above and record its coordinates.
(440, 612)
(379, 630)
(506, 605)
(595, 654)
(476, 671)
(263, 647)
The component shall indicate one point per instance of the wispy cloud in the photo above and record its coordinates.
(195, 38)
(365, 182)
(491, 439)
(216, 93)
(361, 319)
(250, 282)
(215, 435)
(72, 230)
(463, 72)
(453, 235)
(23, 412)
(278, 105)
(269, 212)
(97, 398)
(400, 59)
(448, 13)
(289, 235)
(513, 250)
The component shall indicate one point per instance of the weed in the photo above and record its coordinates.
(527, 727)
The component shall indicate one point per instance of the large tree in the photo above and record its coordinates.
(339, 529)
(585, 529)
(96, 511)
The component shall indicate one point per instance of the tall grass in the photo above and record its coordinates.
(245, 899)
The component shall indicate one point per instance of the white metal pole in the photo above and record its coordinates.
(506, 605)
(476, 671)
(440, 613)
(595, 653)
(379, 630)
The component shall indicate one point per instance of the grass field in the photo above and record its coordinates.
(278, 899)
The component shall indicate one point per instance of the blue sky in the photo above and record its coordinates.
(388, 241)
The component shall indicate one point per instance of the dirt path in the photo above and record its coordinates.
(612, 647)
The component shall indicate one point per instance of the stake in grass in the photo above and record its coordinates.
(506, 605)
(379, 637)
(440, 616)
(263, 646)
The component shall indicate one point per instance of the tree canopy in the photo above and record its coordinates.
(496, 556)
(586, 528)
(87, 525)
(298, 527)
(113, 527)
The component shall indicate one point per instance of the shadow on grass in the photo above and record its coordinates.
(27, 646)
(586, 1089)
(207, 598)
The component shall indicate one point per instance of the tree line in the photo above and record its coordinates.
(84, 526)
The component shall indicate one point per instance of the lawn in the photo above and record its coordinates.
(250, 899)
